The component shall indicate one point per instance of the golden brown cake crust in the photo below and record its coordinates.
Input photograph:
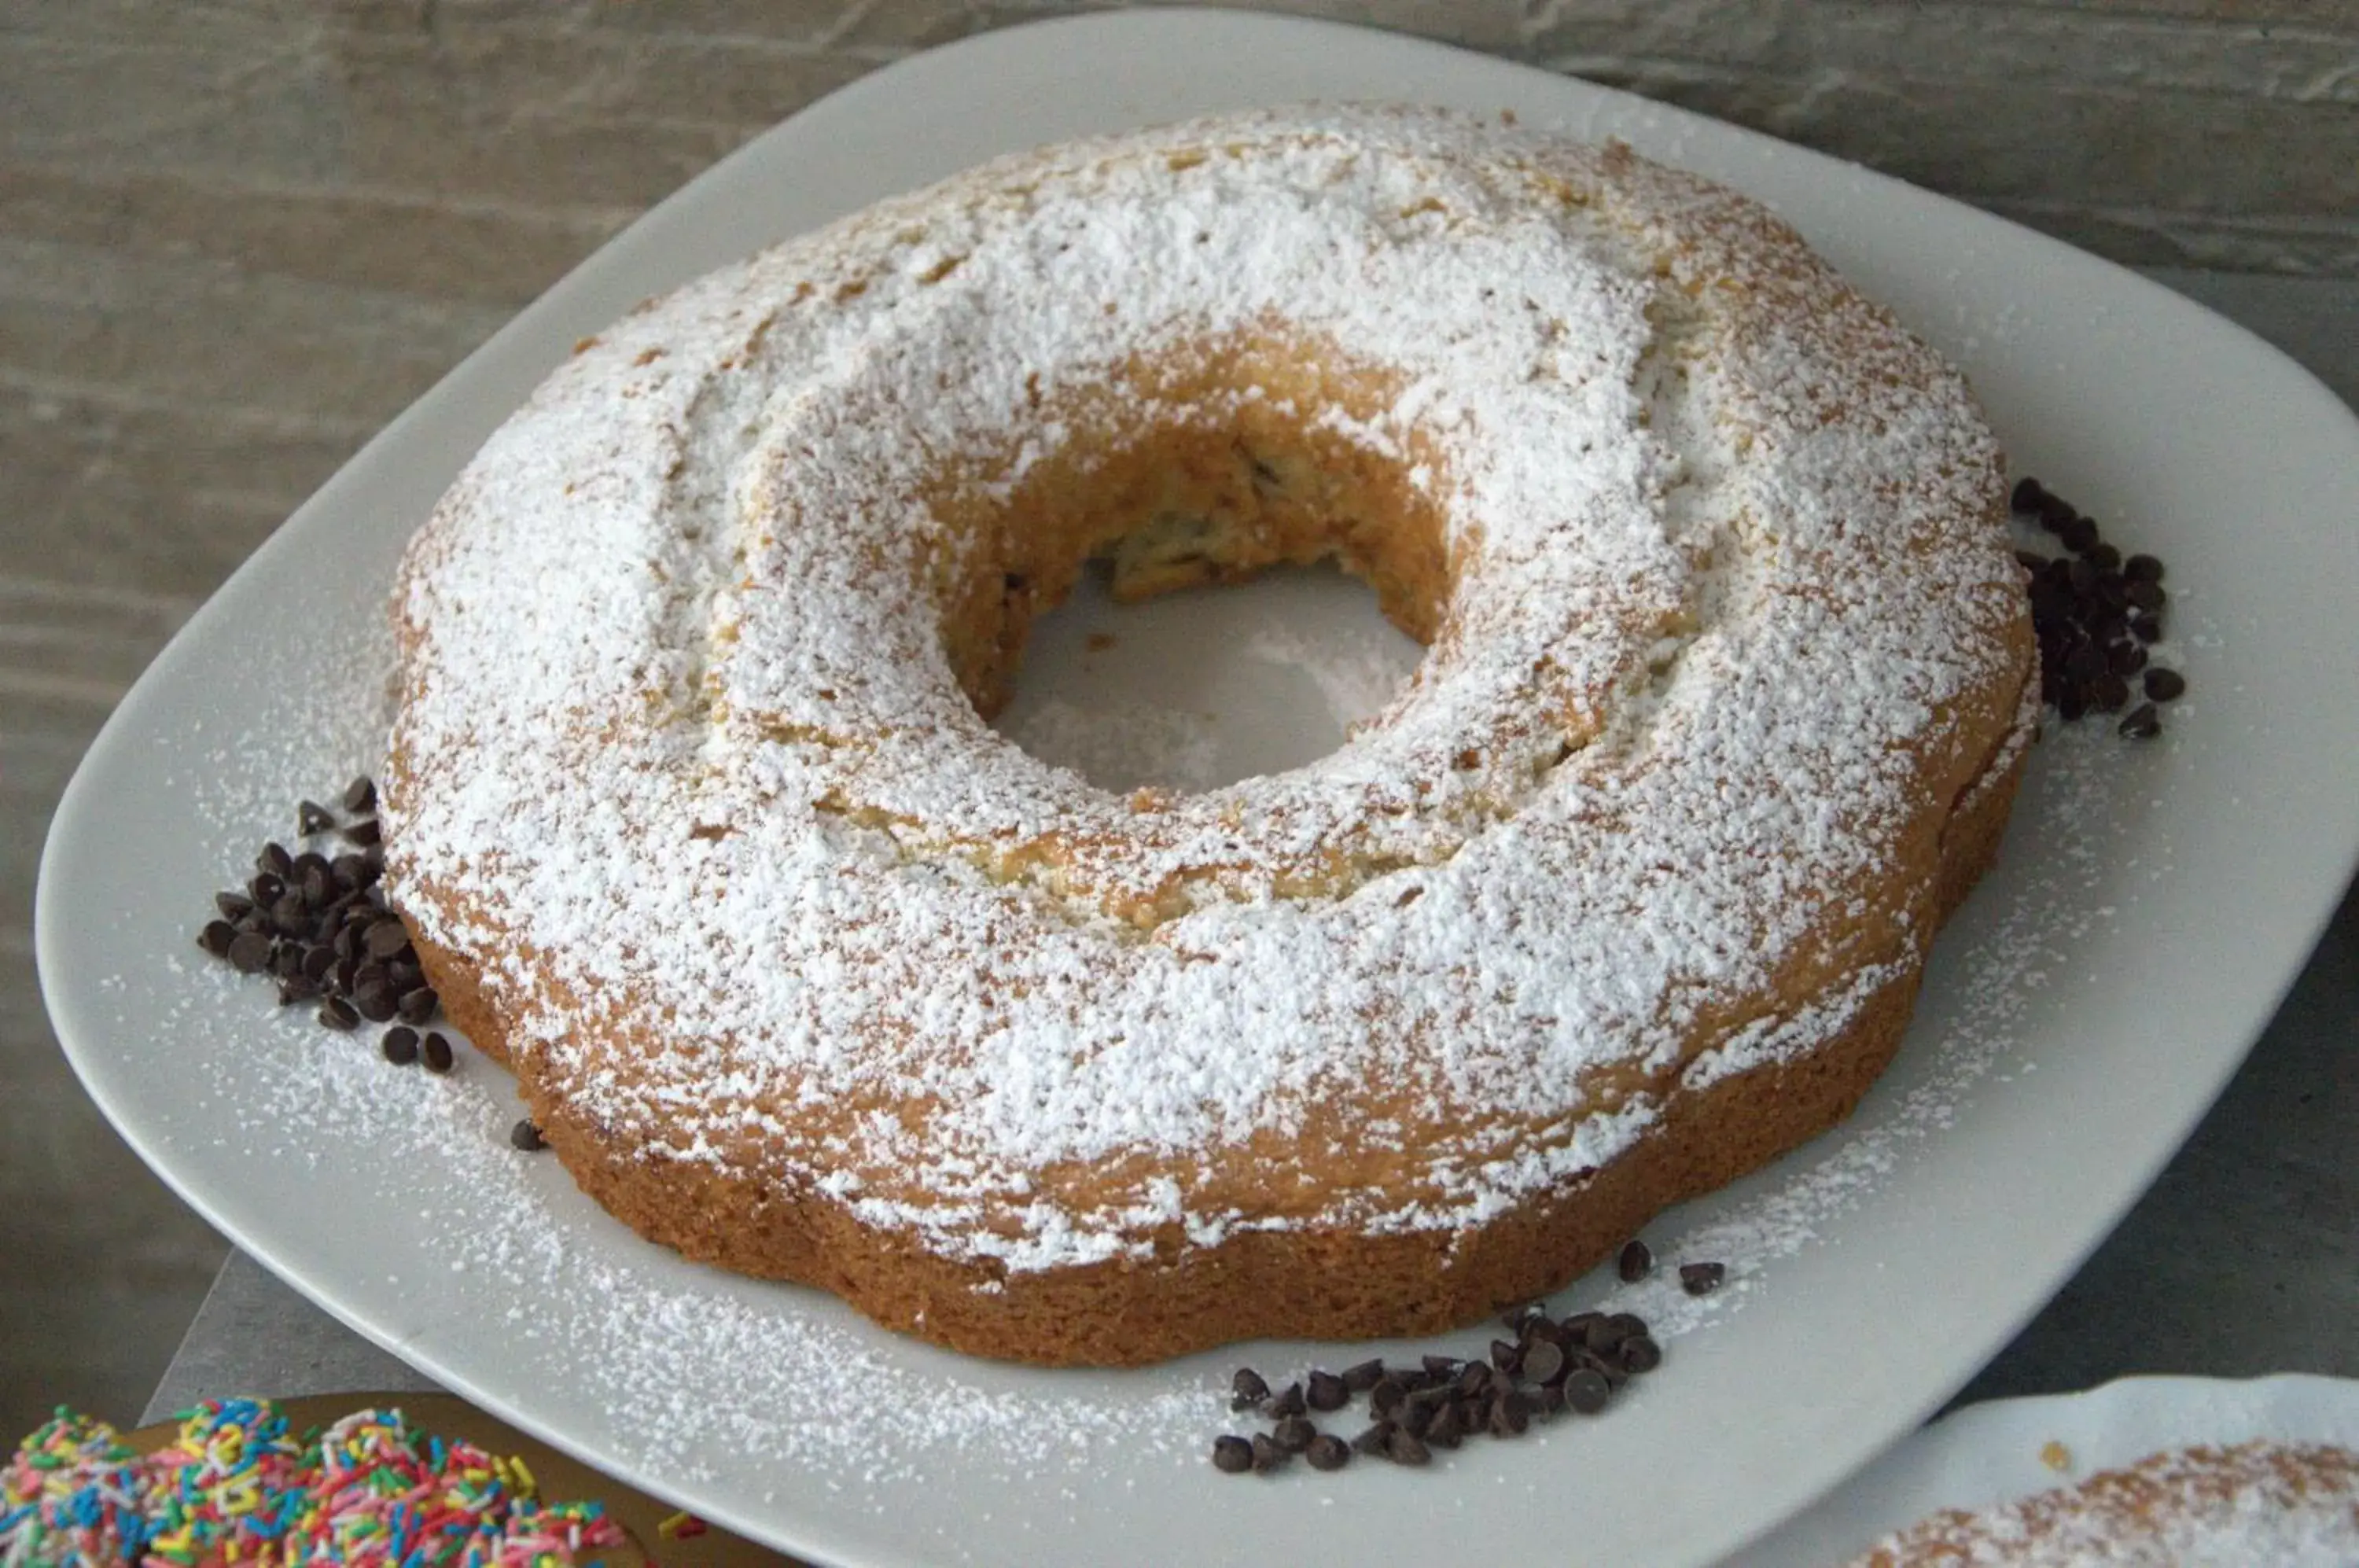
(805, 971)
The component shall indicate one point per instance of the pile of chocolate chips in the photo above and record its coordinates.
(317, 924)
(2095, 613)
(1548, 1368)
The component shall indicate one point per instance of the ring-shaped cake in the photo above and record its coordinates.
(696, 815)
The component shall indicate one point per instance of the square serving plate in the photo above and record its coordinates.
(2077, 1019)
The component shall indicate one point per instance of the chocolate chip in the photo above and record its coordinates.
(359, 795)
(527, 1137)
(1293, 1434)
(1365, 1375)
(363, 833)
(1543, 1361)
(2085, 662)
(2055, 512)
(2143, 723)
(1266, 1455)
(2107, 693)
(1290, 1403)
(2104, 557)
(1443, 1430)
(1444, 1367)
(288, 915)
(2142, 568)
(375, 1001)
(265, 888)
(1474, 1377)
(217, 938)
(232, 904)
(1511, 1414)
(1635, 1262)
(1580, 1326)
(1385, 1395)
(416, 1007)
(2027, 495)
(353, 870)
(385, 937)
(1587, 1391)
(1246, 1388)
(274, 860)
(437, 1053)
(248, 953)
(311, 818)
(294, 989)
(1549, 1399)
(1701, 1278)
(1507, 1358)
(2165, 685)
(1640, 1353)
(1376, 1438)
(400, 1045)
(2128, 658)
(2147, 628)
(1328, 1452)
(2144, 595)
(285, 960)
(335, 1013)
(1327, 1392)
(1405, 1447)
(1231, 1454)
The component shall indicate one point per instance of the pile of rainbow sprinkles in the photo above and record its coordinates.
(235, 1487)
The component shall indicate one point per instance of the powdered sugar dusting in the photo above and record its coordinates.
(671, 725)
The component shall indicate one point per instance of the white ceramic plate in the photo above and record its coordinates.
(2008, 1450)
(2078, 1019)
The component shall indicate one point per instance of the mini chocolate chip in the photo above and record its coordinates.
(1635, 1262)
(1640, 1353)
(1405, 1447)
(2026, 497)
(2142, 568)
(274, 860)
(1701, 1278)
(217, 938)
(1293, 1434)
(437, 1053)
(1289, 1402)
(527, 1137)
(363, 833)
(385, 937)
(359, 795)
(1328, 1452)
(1233, 1455)
(1266, 1455)
(1359, 1379)
(1375, 1439)
(2165, 685)
(311, 818)
(400, 1045)
(1247, 1387)
(337, 1013)
(1587, 1391)
(1543, 1361)
(249, 953)
(1326, 1392)
(1511, 1413)
(2143, 723)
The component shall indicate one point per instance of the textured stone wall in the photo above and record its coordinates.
(238, 235)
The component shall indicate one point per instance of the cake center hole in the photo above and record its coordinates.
(1193, 689)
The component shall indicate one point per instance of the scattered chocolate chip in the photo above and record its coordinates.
(1543, 1361)
(2027, 495)
(2104, 557)
(1246, 1388)
(248, 953)
(2107, 693)
(265, 888)
(1511, 1414)
(2165, 685)
(375, 1001)
(437, 1053)
(1635, 1262)
(1507, 1357)
(336, 1013)
(2128, 658)
(359, 795)
(1375, 1439)
(294, 989)
(1266, 1455)
(2078, 535)
(1473, 1379)
(2143, 723)
(217, 938)
(1405, 1447)
(1231, 1454)
(1386, 1396)
(232, 904)
(1440, 1365)
(274, 860)
(2144, 595)
(400, 1045)
(312, 819)
(2142, 568)
(1640, 1353)
(1359, 1379)
(1701, 1278)
(1549, 1399)
(352, 870)
(1443, 1430)
(1293, 1434)
(1326, 1392)
(385, 937)
(363, 833)
(1328, 1452)
(1289, 1402)
(527, 1137)
(285, 961)
(1587, 1391)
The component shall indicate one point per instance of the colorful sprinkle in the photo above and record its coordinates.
(234, 1486)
